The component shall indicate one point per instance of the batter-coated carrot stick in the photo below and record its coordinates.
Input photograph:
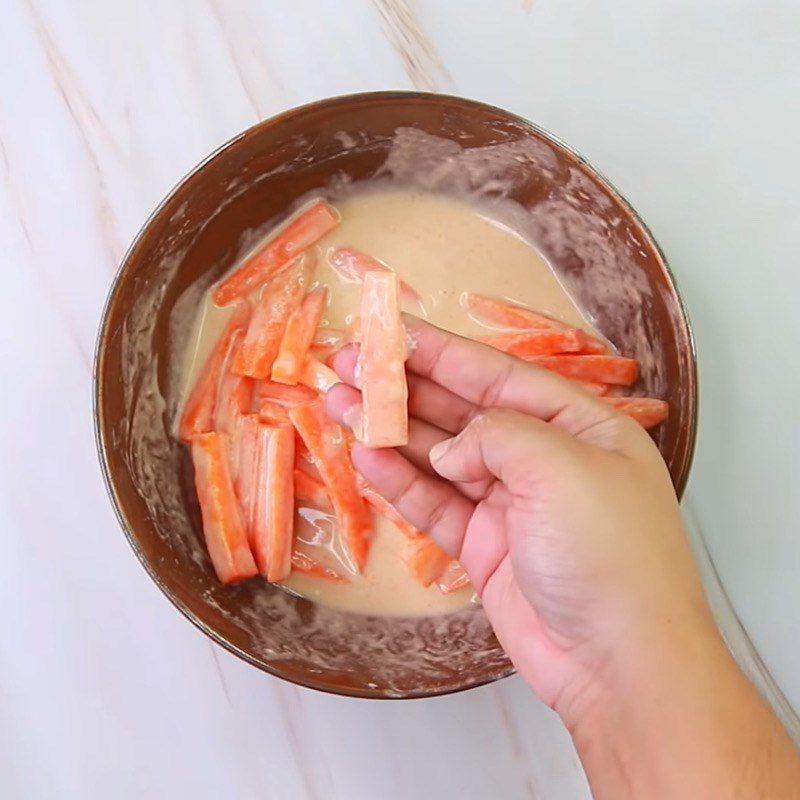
(234, 394)
(327, 444)
(502, 314)
(198, 413)
(279, 298)
(273, 413)
(597, 369)
(282, 393)
(424, 559)
(387, 510)
(597, 389)
(302, 562)
(353, 265)
(317, 375)
(272, 530)
(223, 526)
(381, 363)
(538, 343)
(301, 232)
(453, 578)
(310, 491)
(647, 411)
(298, 336)
(243, 458)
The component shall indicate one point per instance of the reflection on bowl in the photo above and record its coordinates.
(583, 226)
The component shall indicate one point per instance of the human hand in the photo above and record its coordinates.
(559, 508)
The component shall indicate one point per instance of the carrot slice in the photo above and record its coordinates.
(352, 265)
(223, 526)
(538, 343)
(234, 394)
(647, 411)
(298, 336)
(425, 560)
(272, 529)
(279, 298)
(319, 376)
(273, 413)
(304, 563)
(381, 363)
(327, 444)
(282, 393)
(387, 510)
(453, 578)
(503, 314)
(198, 413)
(597, 369)
(302, 231)
(308, 490)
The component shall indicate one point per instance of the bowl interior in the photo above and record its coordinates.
(604, 254)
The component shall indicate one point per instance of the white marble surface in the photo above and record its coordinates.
(690, 108)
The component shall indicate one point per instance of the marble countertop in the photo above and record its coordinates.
(690, 109)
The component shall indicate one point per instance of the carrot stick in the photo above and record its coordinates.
(538, 343)
(503, 314)
(387, 510)
(279, 298)
(327, 444)
(243, 458)
(304, 563)
(352, 265)
(319, 376)
(424, 559)
(223, 526)
(381, 363)
(272, 530)
(198, 413)
(597, 369)
(647, 411)
(273, 413)
(304, 229)
(310, 491)
(453, 578)
(234, 394)
(298, 336)
(283, 394)
(594, 347)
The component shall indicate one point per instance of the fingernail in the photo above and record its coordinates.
(439, 450)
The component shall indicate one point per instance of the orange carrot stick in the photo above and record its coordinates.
(538, 343)
(282, 393)
(234, 394)
(387, 510)
(453, 578)
(243, 457)
(327, 444)
(272, 530)
(647, 411)
(381, 363)
(223, 526)
(198, 413)
(304, 563)
(597, 389)
(310, 491)
(279, 298)
(503, 314)
(424, 559)
(597, 369)
(273, 413)
(594, 347)
(319, 376)
(302, 231)
(352, 265)
(298, 336)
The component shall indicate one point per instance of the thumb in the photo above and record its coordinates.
(505, 445)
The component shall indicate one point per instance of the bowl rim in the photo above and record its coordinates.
(331, 687)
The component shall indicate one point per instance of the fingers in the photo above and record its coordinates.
(487, 377)
(426, 400)
(426, 502)
(505, 445)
